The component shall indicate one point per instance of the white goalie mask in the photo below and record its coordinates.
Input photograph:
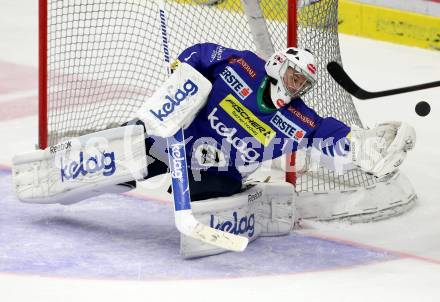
(292, 72)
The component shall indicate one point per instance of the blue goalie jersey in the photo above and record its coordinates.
(235, 131)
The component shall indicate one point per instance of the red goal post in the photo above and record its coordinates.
(42, 75)
(292, 37)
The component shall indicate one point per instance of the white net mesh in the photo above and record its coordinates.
(106, 57)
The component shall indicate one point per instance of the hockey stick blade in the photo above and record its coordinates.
(343, 79)
(188, 225)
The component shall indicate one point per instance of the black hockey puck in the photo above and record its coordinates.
(423, 108)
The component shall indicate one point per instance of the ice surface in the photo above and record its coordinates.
(84, 251)
(123, 237)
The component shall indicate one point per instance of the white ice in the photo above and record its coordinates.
(414, 236)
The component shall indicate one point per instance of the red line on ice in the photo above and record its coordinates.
(372, 247)
(18, 108)
(14, 77)
(17, 78)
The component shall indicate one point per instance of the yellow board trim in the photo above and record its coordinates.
(359, 19)
(247, 120)
(386, 24)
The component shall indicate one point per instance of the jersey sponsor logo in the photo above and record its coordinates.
(60, 147)
(103, 162)
(248, 154)
(286, 126)
(189, 88)
(235, 82)
(177, 159)
(237, 225)
(209, 156)
(216, 54)
(244, 65)
(302, 117)
(247, 120)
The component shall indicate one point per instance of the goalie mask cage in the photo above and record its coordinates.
(100, 59)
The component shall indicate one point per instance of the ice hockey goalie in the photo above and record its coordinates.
(237, 110)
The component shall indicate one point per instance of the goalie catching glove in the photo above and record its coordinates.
(381, 150)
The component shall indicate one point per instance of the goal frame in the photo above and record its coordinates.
(43, 132)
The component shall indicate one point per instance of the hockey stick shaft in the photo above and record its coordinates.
(343, 79)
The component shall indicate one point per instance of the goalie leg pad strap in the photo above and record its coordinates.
(81, 167)
(263, 209)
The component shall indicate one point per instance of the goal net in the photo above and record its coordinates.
(101, 59)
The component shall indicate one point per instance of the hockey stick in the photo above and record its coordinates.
(184, 219)
(344, 80)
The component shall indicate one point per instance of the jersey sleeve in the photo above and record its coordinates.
(331, 137)
(326, 134)
(206, 56)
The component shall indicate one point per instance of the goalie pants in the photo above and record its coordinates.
(206, 185)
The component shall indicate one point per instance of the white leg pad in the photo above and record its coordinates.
(81, 167)
(263, 209)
